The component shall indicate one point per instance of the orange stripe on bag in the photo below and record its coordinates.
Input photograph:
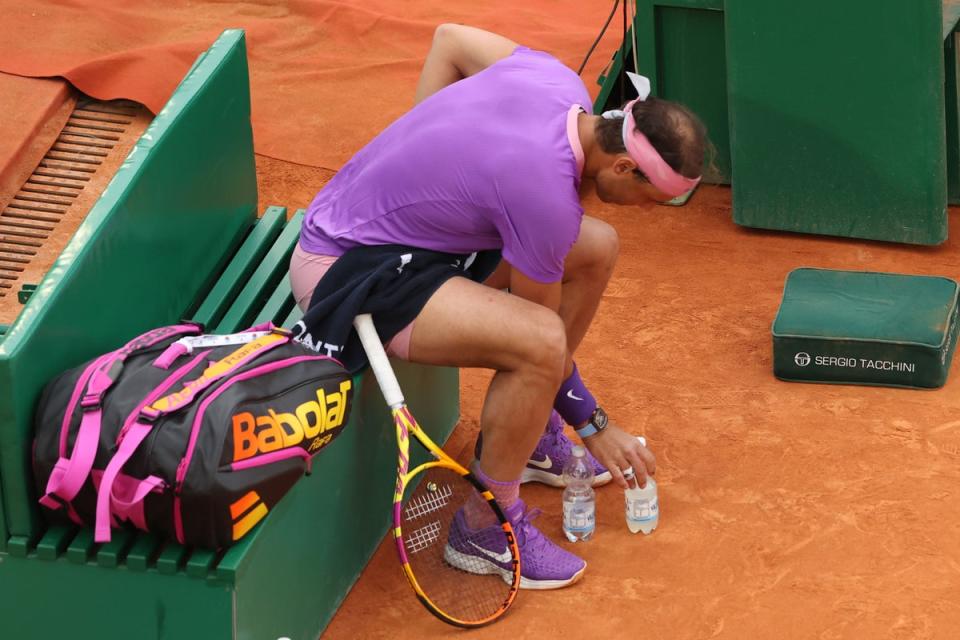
(244, 503)
(247, 522)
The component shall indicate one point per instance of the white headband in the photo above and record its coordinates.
(641, 84)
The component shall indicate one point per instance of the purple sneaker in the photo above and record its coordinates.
(546, 463)
(543, 565)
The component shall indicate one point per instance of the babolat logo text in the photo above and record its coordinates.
(253, 435)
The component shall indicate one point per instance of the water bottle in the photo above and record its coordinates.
(642, 506)
(579, 506)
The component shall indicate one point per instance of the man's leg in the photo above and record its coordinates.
(465, 324)
(586, 272)
(469, 325)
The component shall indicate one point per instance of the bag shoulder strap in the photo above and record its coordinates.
(169, 404)
(70, 473)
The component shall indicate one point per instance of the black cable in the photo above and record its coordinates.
(623, 54)
(606, 24)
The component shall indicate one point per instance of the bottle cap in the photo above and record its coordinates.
(578, 451)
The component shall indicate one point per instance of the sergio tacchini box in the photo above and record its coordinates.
(859, 327)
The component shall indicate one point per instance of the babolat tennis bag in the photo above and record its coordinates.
(192, 437)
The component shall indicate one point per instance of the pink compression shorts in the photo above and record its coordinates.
(307, 268)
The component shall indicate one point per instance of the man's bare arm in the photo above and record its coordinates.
(458, 52)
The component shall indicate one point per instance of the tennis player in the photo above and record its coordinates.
(492, 157)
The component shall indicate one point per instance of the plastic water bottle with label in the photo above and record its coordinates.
(642, 505)
(579, 504)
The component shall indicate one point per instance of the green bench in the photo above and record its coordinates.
(176, 235)
(836, 118)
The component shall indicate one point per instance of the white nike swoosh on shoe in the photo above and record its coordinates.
(546, 463)
(573, 397)
(499, 557)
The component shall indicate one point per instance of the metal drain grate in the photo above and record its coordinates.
(34, 214)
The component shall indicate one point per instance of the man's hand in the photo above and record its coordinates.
(616, 450)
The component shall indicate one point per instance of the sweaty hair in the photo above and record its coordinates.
(673, 130)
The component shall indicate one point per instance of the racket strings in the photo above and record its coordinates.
(467, 574)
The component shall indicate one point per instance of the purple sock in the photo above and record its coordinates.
(477, 510)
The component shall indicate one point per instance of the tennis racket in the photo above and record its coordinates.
(464, 577)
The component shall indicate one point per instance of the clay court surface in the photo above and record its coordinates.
(788, 510)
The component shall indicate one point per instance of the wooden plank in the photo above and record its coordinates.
(54, 541)
(171, 558)
(238, 271)
(266, 277)
(293, 317)
(112, 553)
(82, 548)
(278, 305)
(18, 546)
(200, 563)
(143, 551)
(226, 570)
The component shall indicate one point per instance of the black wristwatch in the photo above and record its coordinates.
(596, 424)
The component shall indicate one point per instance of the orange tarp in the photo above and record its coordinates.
(34, 111)
(325, 76)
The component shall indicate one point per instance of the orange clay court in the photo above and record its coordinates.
(787, 510)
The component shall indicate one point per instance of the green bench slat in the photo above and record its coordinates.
(267, 276)
(278, 306)
(82, 547)
(238, 271)
(200, 562)
(18, 546)
(951, 15)
(54, 541)
(232, 558)
(171, 558)
(142, 552)
(293, 317)
(4, 532)
(110, 554)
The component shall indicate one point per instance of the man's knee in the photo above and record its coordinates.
(596, 249)
(546, 344)
(605, 245)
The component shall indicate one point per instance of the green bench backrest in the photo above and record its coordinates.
(172, 214)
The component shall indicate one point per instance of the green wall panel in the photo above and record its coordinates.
(951, 77)
(837, 117)
(692, 69)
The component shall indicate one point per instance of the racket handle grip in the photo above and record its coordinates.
(378, 360)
